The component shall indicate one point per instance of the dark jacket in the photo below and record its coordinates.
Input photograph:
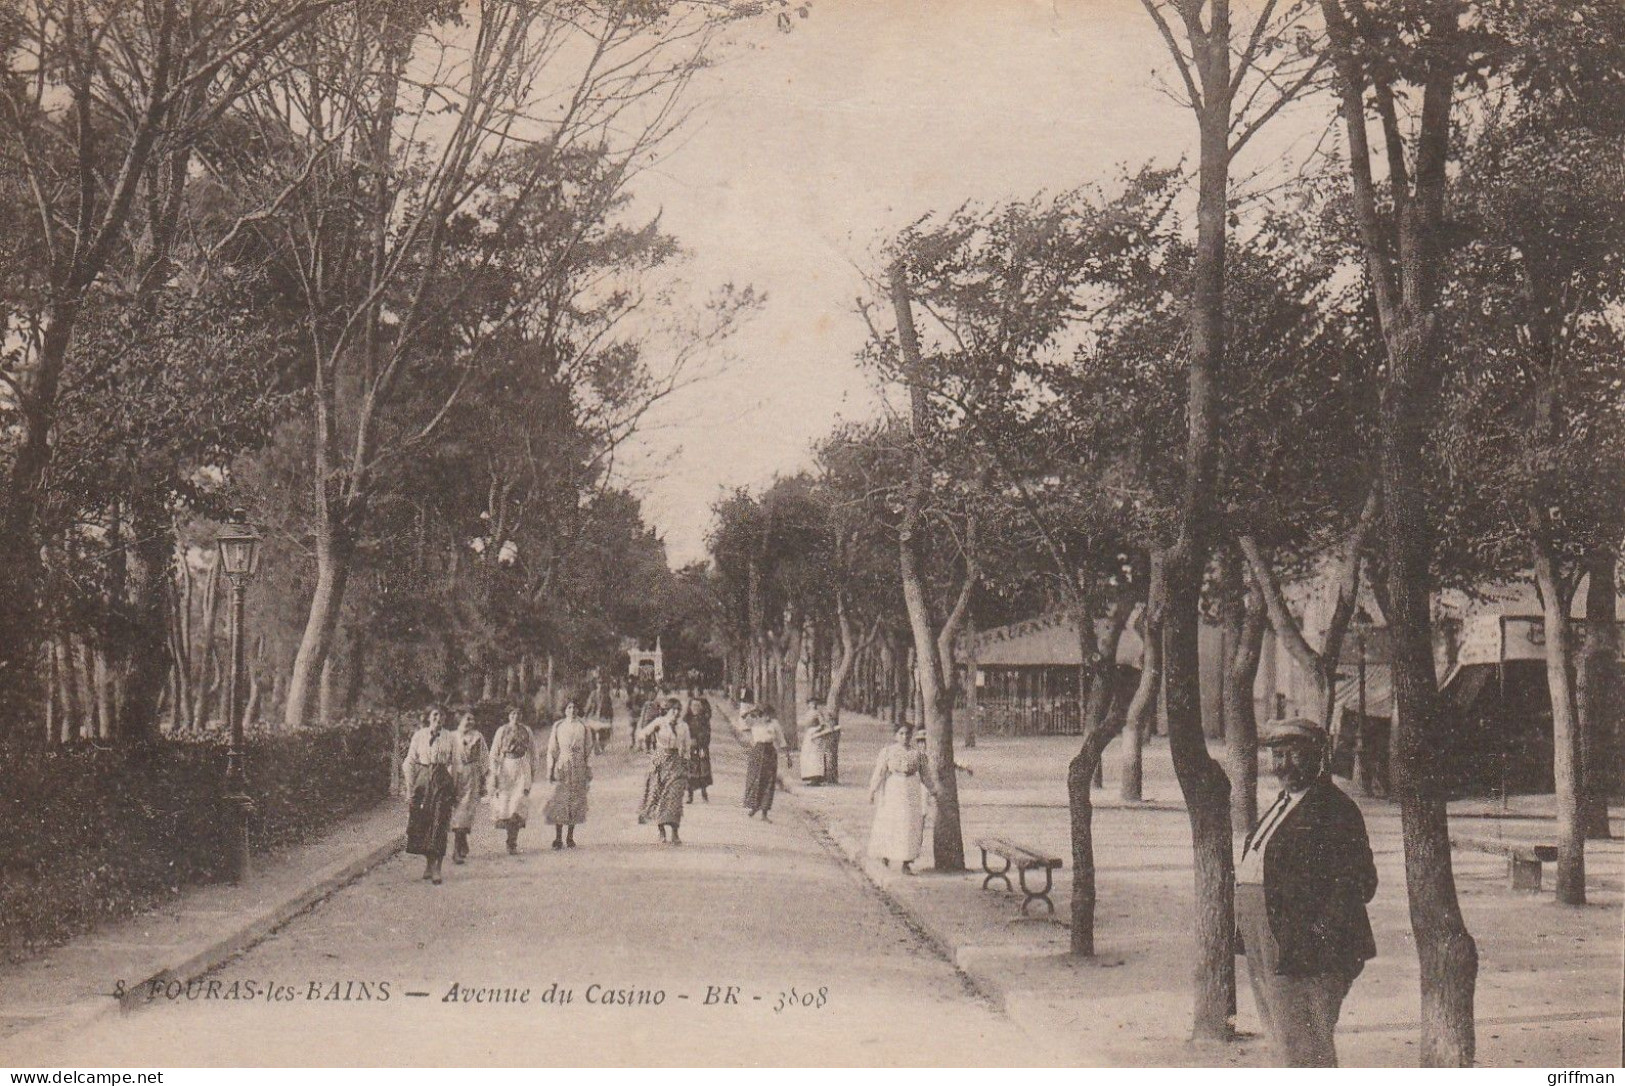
(1318, 877)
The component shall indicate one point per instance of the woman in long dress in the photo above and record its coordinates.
(470, 753)
(698, 719)
(815, 742)
(512, 771)
(668, 775)
(897, 788)
(568, 749)
(426, 773)
(762, 763)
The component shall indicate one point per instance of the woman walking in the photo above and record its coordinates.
(698, 719)
(470, 754)
(667, 782)
(426, 773)
(897, 788)
(815, 744)
(513, 770)
(762, 764)
(568, 749)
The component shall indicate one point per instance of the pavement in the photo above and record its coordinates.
(776, 944)
(751, 944)
(1549, 986)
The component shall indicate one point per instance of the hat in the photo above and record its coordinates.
(1277, 732)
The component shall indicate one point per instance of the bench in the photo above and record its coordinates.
(1523, 857)
(1023, 859)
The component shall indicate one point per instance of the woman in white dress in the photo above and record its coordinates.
(816, 736)
(470, 754)
(897, 788)
(568, 750)
(513, 768)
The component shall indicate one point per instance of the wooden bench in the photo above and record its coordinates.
(1523, 857)
(1023, 859)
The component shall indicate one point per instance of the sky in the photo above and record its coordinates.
(808, 148)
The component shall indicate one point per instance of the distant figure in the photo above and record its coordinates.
(470, 754)
(698, 719)
(666, 784)
(430, 792)
(897, 788)
(1302, 885)
(816, 737)
(512, 772)
(762, 763)
(653, 709)
(567, 766)
(602, 725)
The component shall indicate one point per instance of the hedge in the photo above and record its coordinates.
(91, 834)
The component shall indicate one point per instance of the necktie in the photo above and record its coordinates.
(1267, 825)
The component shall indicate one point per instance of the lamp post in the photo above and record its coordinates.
(240, 558)
(1362, 628)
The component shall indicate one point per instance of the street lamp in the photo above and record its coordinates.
(1362, 629)
(240, 558)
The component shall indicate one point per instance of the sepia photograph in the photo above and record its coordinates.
(812, 533)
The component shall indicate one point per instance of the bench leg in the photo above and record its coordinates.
(1037, 895)
(1000, 874)
(1525, 874)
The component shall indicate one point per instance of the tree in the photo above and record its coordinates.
(1418, 54)
(101, 109)
(1214, 71)
(398, 196)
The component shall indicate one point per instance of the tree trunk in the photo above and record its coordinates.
(1406, 297)
(1140, 720)
(947, 840)
(202, 686)
(1100, 661)
(1566, 755)
(333, 558)
(145, 655)
(1244, 621)
(1602, 688)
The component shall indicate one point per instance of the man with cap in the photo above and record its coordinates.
(1302, 883)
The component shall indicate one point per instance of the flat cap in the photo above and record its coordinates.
(1276, 732)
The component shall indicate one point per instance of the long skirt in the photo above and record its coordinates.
(899, 826)
(465, 780)
(761, 776)
(568, 804)
(699, 768)
(428, 820)
(812, 759)
(664, 790)
(510, 798)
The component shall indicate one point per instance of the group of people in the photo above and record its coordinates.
(448, 771)
(1303, 877)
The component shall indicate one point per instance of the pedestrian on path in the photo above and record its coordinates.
(815, 746)
(663, 790)
(426, 772)
(897, 788)
(568, 749)
(1304, 879)
(470, 755)
(604, 704)
(762, 763)
(698, 719)
(512, 771)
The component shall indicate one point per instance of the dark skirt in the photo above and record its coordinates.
(699, 768)
(761, 776)
(664, 791)
(429, 817)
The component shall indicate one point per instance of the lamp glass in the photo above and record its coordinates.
(240, 553)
